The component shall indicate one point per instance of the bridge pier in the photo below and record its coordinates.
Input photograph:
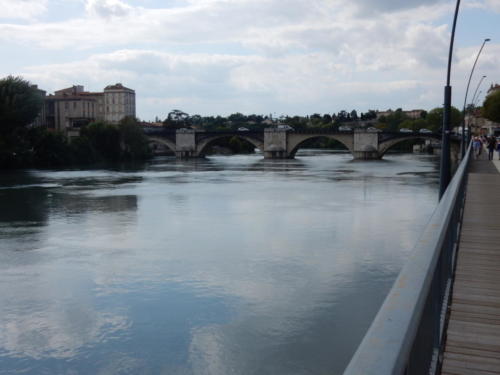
(275, 144)
(366, 155)
(185, 144)
(365, 145)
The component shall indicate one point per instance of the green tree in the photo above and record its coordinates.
(20, 103)
(104, 140)
(49, 148)
(435, 118)
(393, 121)
(177, 119)
(133, 141)
(491, 107)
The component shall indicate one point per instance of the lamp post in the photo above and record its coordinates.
(477, 98)
(475, 91)
(473, 101)
(444, 176)
(466, 92)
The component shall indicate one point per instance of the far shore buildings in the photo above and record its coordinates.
(413, 114)
(69, 109)
(481, 125)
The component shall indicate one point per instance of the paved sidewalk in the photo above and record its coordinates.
(473, 335)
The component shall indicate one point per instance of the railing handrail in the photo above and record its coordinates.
(386, 347)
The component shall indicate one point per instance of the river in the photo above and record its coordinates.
(229, 265)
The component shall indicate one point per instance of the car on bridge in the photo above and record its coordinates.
(344, 128)
(371, 129)
(243, 129)
(405, 130)
(425, 131)
(284, 127)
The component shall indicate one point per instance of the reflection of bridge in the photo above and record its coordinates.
(281, 144)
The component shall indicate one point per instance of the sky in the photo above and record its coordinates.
(279, 57)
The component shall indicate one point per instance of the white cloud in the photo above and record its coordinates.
(493, 4)
(22, 9)
(213, 54)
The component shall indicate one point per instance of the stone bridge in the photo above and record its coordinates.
(281, 144)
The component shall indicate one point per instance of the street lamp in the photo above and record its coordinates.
(473, 101)
(466, 92)
(475, 92)
(444, 177)
(477, 98)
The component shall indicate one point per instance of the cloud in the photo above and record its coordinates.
(22, 9)
(369, 6)
(208, 55)
(493, 4)
(107, 8)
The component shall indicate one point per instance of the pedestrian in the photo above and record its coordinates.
(476, 145)
(491, 146)
(498, 149)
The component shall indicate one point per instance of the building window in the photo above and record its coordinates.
(66, 105)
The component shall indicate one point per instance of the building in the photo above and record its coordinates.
(71, 108)
(493, 88)
(119, 102)
(413, 113)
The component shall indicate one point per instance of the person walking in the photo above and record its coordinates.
(491, 146)
(476, 145)
(498, 149)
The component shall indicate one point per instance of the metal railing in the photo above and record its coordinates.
(407, 335)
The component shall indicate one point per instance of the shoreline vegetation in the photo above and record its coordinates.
(98, 142)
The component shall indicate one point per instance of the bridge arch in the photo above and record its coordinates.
(386, 145)
(202, 145)
(164, 141)
(297, 140)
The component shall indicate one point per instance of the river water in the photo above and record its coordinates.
(230, 265)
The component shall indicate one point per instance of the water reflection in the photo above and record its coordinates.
(228, 265)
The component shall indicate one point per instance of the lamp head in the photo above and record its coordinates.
(487, 39)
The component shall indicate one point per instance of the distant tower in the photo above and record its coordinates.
(119, 102)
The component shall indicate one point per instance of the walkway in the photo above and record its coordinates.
(473, 335)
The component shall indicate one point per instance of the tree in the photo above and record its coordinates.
(49, 148)
(134, 143)
(491, 107)
(20, 103)
(435, 118)
(176, 119)
(104, 139)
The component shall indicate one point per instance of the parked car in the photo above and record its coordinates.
(405, 130)
(344, 128)
(425, 131)
(243, 129)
